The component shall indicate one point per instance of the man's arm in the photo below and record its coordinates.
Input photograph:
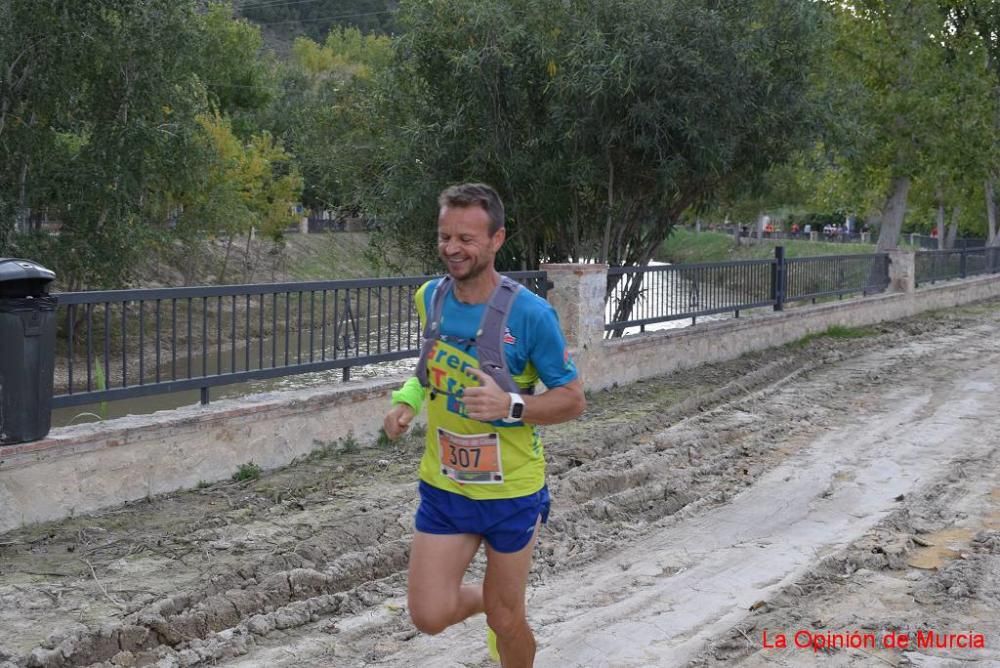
(555, 405)
(407, 400)
(488, 402)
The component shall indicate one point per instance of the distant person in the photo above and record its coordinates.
(482, 475)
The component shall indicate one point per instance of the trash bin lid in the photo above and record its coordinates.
(14, 269)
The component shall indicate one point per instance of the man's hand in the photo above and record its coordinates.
(487, 402)
(397, 421)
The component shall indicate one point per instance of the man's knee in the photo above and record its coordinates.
(505, 620)
(431, 622)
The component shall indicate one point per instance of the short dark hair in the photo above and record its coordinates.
(475, 194)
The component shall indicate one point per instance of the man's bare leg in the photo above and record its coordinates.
(437, 598)
(503, 595)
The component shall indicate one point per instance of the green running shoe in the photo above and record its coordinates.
(491, 644)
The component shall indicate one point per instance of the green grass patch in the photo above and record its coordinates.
(248, 471)
(688, 247)
(333, 256)
(349, 444)
(835, 332)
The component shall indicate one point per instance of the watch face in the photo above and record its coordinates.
(517, 410)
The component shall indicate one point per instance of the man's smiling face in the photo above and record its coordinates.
(464, 241)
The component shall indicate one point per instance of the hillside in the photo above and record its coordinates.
(282, 22)
(312, 257)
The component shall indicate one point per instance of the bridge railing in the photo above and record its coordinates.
(643, 296)
(812, 278)
(943, 265)
(128, 343)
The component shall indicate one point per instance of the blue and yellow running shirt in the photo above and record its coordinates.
(483, 460)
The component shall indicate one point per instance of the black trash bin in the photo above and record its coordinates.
(27, 350)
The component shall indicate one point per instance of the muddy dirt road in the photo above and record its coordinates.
(827, 492)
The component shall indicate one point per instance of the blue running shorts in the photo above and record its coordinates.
(506, 524)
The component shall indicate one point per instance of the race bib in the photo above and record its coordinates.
(470, 458)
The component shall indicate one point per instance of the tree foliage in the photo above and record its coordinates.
(914, 119)
(600, 122)
(322, 113)
(99, 109)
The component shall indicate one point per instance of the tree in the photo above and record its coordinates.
(98, 123)
(323, 113)
(246, 187)
(600, 122)
(910, 89)
(229, 60)
(979, 21)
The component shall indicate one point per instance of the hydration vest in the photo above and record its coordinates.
(489, 335)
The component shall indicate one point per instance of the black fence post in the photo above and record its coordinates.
(778, 278)
(961, 263)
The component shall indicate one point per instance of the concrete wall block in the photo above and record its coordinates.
(88, 467)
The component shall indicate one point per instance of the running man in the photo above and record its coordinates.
(482, 475)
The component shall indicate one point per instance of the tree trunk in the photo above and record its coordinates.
(21, 218)
(991, 211)
(248, 261)
(940, 222)
(895, 211)
(953, 228)
(225, 261)
(632, 283)
(606, 245)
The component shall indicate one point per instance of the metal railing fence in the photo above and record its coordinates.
(811, 278)
(642, 296)
(943, 265)
(128, 343)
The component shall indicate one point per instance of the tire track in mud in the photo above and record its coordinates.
(664, 593)
(612, 479)
(561, 549)
(290, 589)
(931, 565)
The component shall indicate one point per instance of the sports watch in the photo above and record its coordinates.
(516, 408)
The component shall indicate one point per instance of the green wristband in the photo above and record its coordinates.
(411, 394)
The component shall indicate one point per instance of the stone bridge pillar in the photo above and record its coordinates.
(577, 294)
(902, 271)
